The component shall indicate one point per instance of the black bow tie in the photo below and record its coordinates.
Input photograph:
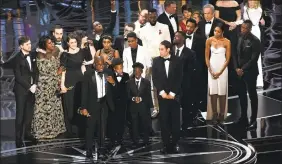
(189, 36)
(171, 16)
(25, 56)
(142, 25)
(167, 59)
(100, 74)
(208, 22)
(119, 75)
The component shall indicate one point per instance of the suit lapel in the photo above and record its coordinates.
(212, 27)
(94, 81)
(26, 62)
(170, 66)
(141, 87)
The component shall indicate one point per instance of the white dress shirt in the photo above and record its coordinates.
(189, 42)
(172, 21)
(118, 78)
(166, 70)
(29, 64)
(139, 83)
(138, 28)
(101, 90)
(208, 28)
(180, 50)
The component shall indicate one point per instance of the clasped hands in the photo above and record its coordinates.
(239, 72)
(167, 96)
(84, 112)
(215, 75)
(137, 99)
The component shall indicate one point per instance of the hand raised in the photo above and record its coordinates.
(110, 80)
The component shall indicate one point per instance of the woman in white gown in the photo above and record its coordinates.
(253, 12)
(217, 54)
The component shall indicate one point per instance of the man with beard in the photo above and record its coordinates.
(245, 64)
(152, 35)
(141, 22)
(98, 29)
(58, 38)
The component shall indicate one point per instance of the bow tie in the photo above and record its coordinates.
(142, 25)
(100, 74)
(119, 75)
(188, 36)
(25, 56)
(58, 43)
(208, 22)
(171, 16)
(167, 59)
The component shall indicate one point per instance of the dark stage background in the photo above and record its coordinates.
(36, 17)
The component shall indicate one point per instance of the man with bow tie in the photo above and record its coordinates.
(96, 101)
(207, 25)
(167, 73)
(141, 22)
(117, 118)
(140, 102)
(26, 78)
(58, 38)
(169, 18)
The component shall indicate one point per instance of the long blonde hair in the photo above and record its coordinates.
(257, 3)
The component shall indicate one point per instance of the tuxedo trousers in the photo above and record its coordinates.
(97, 123)
(24, 113)
(169, 120)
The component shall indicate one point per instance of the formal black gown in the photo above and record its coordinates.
(72, 99)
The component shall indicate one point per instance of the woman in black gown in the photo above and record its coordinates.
(72, 74)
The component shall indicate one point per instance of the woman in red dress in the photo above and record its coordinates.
(187, 12)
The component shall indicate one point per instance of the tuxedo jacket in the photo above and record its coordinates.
(165, 20)
(248, 51)
(108, 30)
(144, 92)
(202, 25)
(23, 73)
(189, 64)
(119, 44)
(172, 82)
(198, 46)
(121, 87)
(141, 57)
(89, 92)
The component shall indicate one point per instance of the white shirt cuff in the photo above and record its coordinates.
(172, 94)
(161, 92)
(133, 99)
(113, 11)
(140, 99)
(239, 22)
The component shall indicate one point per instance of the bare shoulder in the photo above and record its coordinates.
(235, 3)
(218, 3)
(227, 41)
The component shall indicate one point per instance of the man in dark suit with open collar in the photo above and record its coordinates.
(207, 25)
(167, 73)
(26, 78)
(245, 64)
(117, 118)
(169, 17)
(140, 102)
(190, 86)
(97, 98)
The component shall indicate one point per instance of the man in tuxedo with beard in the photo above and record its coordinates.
(167, 73)
(207, 25)
(59, 41)
(169, 17)
(97, 99)
(117, 117)
(245, 64)
(197, 43)
(190, 71)
(26, 78)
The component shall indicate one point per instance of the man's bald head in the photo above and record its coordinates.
(143, 16)
(99, 63)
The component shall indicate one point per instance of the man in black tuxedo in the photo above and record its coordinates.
(59, 41)
(207, 25)
(167, 75)
(197, 43)
(26, 78)
(98, 29)
(140, 102)
(190, 70)
(169, 17)
(121, 40)
(97, 99)
(117, 117)
(245, 64)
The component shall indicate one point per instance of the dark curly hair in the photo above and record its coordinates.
(79, 34)
(43, 40)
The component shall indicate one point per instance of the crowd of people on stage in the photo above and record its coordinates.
(93, 84)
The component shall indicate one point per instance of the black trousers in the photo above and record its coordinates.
(189, 110)
(170, 120)
(97, 122)
(141, 117)
(24, 114)
(117, 120)
(248, 84)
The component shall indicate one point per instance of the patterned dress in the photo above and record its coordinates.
(48, 120)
